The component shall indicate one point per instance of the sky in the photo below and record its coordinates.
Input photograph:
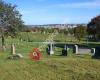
(39, 12)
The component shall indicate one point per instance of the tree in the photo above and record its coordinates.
(10, 20)
(94, 27)
(70, 31)
(80, 32)
(65, 31)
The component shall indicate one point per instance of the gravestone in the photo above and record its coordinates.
(93, 51)
(64, 51)
(97, 53)
(13, 53)
(13, 49)
(50, 49)
(75, 49)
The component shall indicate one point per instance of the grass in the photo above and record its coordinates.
(55, 67)
(39, 37)
(49, 68)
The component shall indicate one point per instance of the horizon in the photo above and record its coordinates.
(59, 24)
(41, 12)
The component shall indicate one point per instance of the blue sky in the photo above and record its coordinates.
(57, 11)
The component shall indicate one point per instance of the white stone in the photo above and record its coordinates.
(76, 49)
(51, 52)
(20, 55)
(51, 49)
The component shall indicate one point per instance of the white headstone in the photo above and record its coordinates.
(76, 49)
(51, 49)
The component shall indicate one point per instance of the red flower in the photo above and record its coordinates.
(35, 54)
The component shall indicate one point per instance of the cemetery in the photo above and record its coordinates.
(54, 58)
(53, 49)
(23, 60)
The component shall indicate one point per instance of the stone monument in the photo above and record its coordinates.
(75, 49)
(50, 49)
(13, 53)
(93, 51)
(13, 49)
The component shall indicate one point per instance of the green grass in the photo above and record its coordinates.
(49, 68)
(39, 37)
(55, 67)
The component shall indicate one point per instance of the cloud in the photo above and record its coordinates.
(92, 4)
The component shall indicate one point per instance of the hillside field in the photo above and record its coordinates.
(55, 67)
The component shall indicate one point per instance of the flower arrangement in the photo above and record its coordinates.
(35, 54)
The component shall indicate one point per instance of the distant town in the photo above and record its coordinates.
(59, 26)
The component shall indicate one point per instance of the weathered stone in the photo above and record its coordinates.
(13, 49)
(13, 55)
(75, 49)
(93, 51)
(20, 56)
(50, 49)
